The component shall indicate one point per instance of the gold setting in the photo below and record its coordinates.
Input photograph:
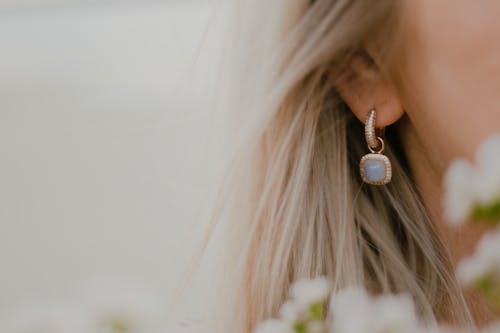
(376, 157)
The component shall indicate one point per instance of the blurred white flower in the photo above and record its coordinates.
(104, 305)
(446, 328)
(316, 326)
(291, 312)
(483, 264)
(189, 326)
(45, 317)
(458, 191)
(310, 291)
(304, 311)
(488, 163)
(118, 305)
(492, 328)
(350, 311)
(354, 311)
(274, 326)
(394, 313)
(469, 190)
(471, 269)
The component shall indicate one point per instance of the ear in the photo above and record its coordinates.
(363, 88)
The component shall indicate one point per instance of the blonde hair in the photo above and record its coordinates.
(293, 205)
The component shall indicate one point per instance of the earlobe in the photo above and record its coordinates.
(363, 88)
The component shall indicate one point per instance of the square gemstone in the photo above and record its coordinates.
(375, 169)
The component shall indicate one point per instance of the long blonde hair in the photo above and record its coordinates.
(293, 205)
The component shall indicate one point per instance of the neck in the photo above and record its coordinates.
(461, 241)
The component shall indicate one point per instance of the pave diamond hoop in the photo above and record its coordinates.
(373, 142)
(375, 168)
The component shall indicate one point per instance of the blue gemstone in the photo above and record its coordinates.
(374, 170)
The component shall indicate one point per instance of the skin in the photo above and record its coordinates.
(456, 74)
(452, 70)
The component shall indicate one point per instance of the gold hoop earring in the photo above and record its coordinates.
(375, 168)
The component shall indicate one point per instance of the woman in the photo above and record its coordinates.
(310, 72)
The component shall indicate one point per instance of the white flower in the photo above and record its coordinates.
(310, 291)
(492, 328)
(45, 317)
(315, 326)
(354, 311)
(467, 187)
(292, 312)
(458, 191)
(274, 326)
(116, 304)
(394, 313)
(188, 326)
(304, 307)
(445, 328)
(484, 262)
(470, 269)
(351, 310)
(488, 163)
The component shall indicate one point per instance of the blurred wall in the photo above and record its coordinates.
(108, 142)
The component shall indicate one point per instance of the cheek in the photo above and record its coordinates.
(453, 65)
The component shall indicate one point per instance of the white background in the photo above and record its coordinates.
(109, 142)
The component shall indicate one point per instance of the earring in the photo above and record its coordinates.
(375, 168)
